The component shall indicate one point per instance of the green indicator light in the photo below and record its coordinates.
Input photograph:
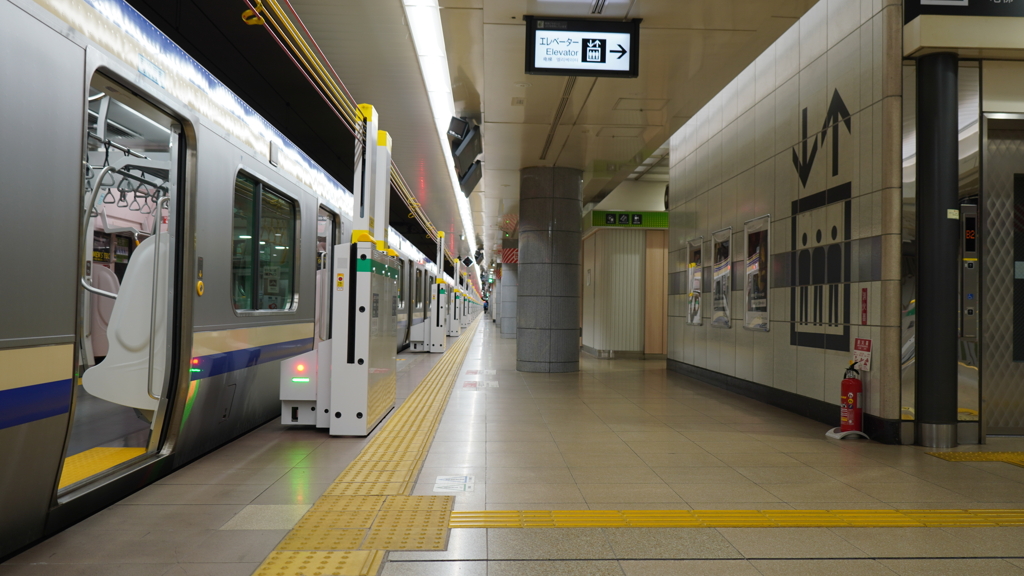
(195, 370)
(300, 380)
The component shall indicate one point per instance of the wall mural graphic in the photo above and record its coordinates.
(820, 270)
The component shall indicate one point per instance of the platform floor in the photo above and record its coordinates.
(621, 435)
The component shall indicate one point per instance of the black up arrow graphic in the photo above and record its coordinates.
(803, 168)
(621, 52)
(837, 113)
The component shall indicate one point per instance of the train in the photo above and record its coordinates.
(165, 249)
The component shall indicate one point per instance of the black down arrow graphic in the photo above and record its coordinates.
(837, 112)
(621, 52)
(803, 167)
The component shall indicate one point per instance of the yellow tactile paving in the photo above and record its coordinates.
(409, 530)
(382, 465)
(93, 461)
(321, 520)
(319, 563)
(366, 488)
(1015, 458)
(347, 539)
(419, 503)
(346, 503)
(376, 476)
(734, 518)
(368, 506)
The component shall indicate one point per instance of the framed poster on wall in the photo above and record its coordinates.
(755, 289)
(721, 285)
(695, 285)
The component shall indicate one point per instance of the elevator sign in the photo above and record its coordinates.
(575, 47)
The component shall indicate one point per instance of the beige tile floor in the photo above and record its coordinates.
(622, 434)
(628, 435)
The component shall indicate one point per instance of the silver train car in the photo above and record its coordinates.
(166, 248)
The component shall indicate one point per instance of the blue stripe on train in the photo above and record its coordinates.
(30, 403)
(217, 364)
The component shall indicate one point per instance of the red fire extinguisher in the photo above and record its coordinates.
(852, 411)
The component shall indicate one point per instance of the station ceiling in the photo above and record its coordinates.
(608, 128)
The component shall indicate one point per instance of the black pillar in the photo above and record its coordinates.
(938, 251)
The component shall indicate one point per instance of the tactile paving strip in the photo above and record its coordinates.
(345, 503)
(322, 540)
(419, 503)
(409, 530)
(1015, 458)
(315, 563)
(376, 476)
(320, 519)
(365, 488)
(368, 506)
(734, 518)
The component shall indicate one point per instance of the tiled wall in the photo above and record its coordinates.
(736, 160)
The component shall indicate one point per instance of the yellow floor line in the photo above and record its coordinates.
(367, 510)
(1015, 458)
(93, 461)
(735, 518)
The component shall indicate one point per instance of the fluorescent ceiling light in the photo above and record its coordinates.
(424, 19)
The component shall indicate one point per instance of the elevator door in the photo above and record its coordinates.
(1002, 326)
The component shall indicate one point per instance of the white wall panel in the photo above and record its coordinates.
(734, 161)
(619, 290)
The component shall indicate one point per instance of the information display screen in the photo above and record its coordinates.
(577, 47)
(970, 234)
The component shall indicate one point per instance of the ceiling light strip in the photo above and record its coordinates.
(424, 20)
(330, 87)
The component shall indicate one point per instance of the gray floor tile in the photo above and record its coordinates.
(267, 517)
(688, 568)
(851, 567)
(433, 568)
(547, 544)
(790, 543)
(953, 567)
(570, 568)
(147, 517)
(646, 543)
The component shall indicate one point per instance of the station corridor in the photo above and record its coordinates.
(621, 435)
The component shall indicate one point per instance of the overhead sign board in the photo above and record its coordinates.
(914, 8)
(577, 47)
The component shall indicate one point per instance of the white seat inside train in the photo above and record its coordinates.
(102, 307)
(122, 377)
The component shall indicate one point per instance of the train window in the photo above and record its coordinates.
(417, 294)
(242, 264)
(263, 247)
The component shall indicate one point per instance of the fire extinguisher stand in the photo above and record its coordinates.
(851, 405)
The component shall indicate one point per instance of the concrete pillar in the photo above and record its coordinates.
(548, 337)
(938, 241)
(508, 294)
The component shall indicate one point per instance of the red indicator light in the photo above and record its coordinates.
(301, 367)
(195, 361)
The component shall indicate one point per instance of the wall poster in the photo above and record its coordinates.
(721, 287)
(694, 315)
(755, 290)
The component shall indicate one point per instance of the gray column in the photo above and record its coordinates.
(548, 337)
(938, 241)
(508, 293)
